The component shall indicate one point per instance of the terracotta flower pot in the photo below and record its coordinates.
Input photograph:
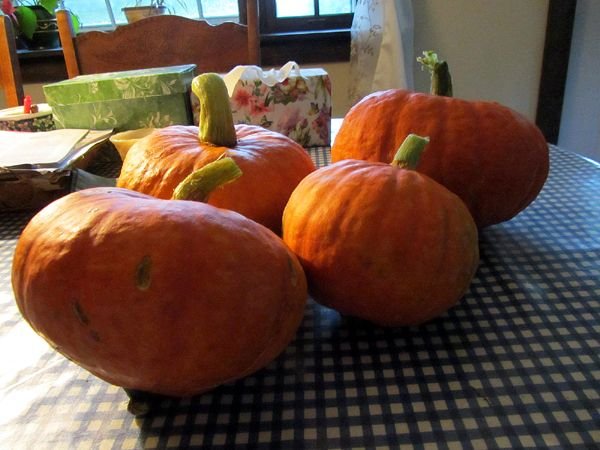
(135, 13)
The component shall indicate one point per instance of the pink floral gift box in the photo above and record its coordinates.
(293, 101)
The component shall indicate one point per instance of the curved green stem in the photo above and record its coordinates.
(409, 153)
(215, 119)
(199, 184)
(441, 81)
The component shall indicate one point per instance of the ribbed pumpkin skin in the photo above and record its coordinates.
(493, 158)
(387, 245)
(170, 297)
(272, 166)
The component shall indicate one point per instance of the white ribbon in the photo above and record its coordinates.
(269, 77)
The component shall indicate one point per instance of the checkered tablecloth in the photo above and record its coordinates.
(515, 365)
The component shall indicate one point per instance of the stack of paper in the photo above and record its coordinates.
(54, 149)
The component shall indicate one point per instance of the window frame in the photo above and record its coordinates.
(270, 24)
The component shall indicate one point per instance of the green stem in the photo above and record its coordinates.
(142, 402)
(215, 119)
(199, 184)
(409, 153)
(441, 81)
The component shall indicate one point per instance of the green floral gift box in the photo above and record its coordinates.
(147, 98)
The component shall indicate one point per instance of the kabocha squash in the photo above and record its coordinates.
(169, 297)
(492, 157)
(272, 163)
(381, 242)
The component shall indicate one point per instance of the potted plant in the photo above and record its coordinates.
(35, 22)
(141, 11)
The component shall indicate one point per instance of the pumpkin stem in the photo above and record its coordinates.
(409, 153)
(215, 120)
(441, 81)
(143, 402)
(199, 184)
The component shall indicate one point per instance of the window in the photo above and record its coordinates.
(283, 16)
(107, 13)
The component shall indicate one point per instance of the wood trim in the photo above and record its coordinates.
(243, 13)
(253, 31)
(557, 48)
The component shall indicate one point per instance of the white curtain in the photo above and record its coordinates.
(381, 53)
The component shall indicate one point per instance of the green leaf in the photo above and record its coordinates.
(76, 22)
(49, 5)
(27, 21)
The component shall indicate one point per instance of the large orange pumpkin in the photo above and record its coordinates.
(382, 243)
(272, 163)
(165, 296)
(492, 157)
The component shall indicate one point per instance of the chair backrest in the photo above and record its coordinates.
(10, 71)
(159, 41)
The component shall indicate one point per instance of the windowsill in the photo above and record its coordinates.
(304, 35)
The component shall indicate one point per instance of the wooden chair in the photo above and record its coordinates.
(162, 41)
(10, 71)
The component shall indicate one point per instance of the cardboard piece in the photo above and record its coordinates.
(43, 169)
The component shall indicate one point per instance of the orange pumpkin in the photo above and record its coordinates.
(492, 157)
(272, 163)
(164, 296)
(382, 243)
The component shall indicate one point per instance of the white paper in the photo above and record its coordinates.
(43, 147)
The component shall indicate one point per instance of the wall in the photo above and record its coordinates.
(35, 90)
(580, 120)
(494, 49)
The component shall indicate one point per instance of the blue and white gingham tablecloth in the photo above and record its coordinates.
(515, 365)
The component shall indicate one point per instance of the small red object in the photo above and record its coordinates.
(27, 104)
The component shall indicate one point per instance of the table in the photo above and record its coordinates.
(515, 365)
